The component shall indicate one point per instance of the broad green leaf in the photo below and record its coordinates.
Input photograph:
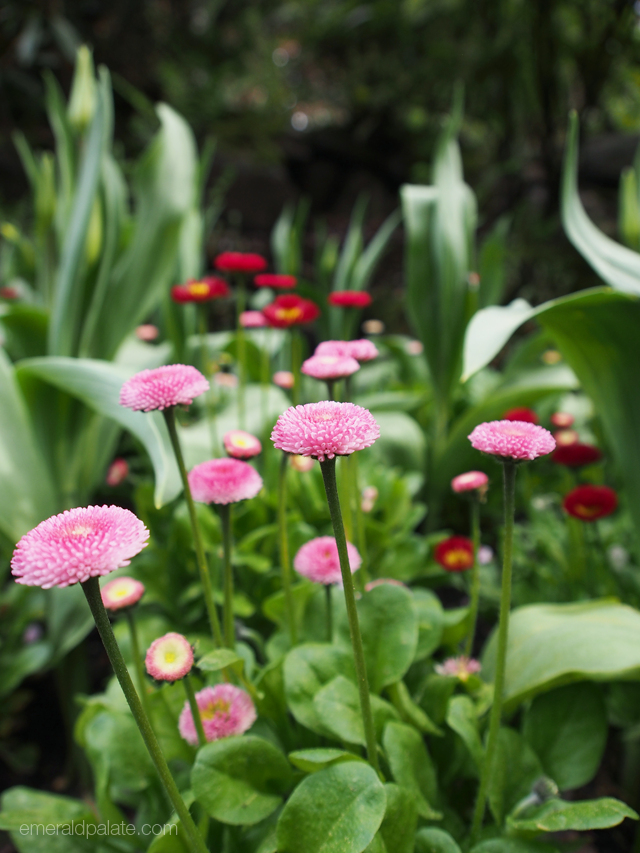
(114, 741)
(401, 441)
(430, 622)
(409, 711)
(307, 668)
(69, 619)
(515, 770)
(398, 829)
(337, 707)
(26, 806)
(559, 815)
(567, 729)
(240, 780)
(512, 845)
(218, 659)
(489, 330)
(463, 719)
(431, 839)
(17, 665)
(411, 766)
(312, 760)
(336, 810)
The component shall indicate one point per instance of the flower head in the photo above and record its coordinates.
(325, 430)
(241, 444)
(290, 310)
(589, 503)
(302, 463)
(361, 350)
(414, 347)
(200, 290)
(512, 439)
(469, 481)
(252, 320)
(350, 298)
(170, 385)
(272, 279)
(78, 544)
(566, 436)
(485, 555)
(521, 414)
(246, 262)
(563, 420)
(454, 554)
(329, 367)
(121, 592)
(224, 710)
(461, 668)
(118, 472)
(575, 455)
(369, 498)
(283, 379)
(224, 481)
(318, 560)
(169, 658)
(147, 332)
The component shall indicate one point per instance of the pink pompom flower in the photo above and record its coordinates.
(162, 387)
(318, 560)
(242, 262)
(361, 350)
(78, 544)
(253, 320)
(329, 367)
(324, 430)
(469, 481)
(224, 481)
(225, 710)
(284, 379)
(169, 658)
(517, 440)
(121, 592)
(241, 444)
(461, 668)
(147, 332)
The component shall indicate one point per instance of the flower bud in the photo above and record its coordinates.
(82, 100)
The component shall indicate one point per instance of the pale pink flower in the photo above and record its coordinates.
(469, 481)
(512, 439)
(253, 320)
(241, 444)
(78, 544)
(382, 581)
(324, 430)
(147, 332)
(284, 379)
(369, 498)
(225, 380)
(461, 667)
(373, 327)
(484, 555)
(414, 347)
(162, 387)
(329, 367)
(224, 481)
(318, 560)
(224, 710)
(118, 472)
(121, 592)
(302, 463)
(361, 350)
(169, 658)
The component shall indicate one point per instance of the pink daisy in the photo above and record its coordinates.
(170, 385)
(224, 710)
(329, 366)
(324, 430)
(121, 592)
(461, 667)
(318, 560)
(224, 481)
(283, 379)
(78, 544)
(361, 350)
(169, 658)
(514, 439)
(469, 481)
(253, 320)
(241, 444)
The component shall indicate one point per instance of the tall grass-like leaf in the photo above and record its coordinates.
(491, 265)
(65, 151)
(370, 258)
(352, 246)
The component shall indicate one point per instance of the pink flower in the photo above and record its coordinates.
(224, 710)
(318, 560)
(382, 581)
(461, 667)
(242, 262)
(329, 366)
(562, 419)
(241, 444)
(225, 380)
(325, 430)
(349, 298)
(147, 332)
(118, 472)
(272, 279)
(121, 592)
(224, 481)
(253, 320)
(283, 379)
(302, 463)
(78, 544)
(469, 481)
(414, 347)
(170, 385)
(512, 439)
(361, 350)
(169, 658)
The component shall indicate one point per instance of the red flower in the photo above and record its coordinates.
(455, 554)
(575, 455)
(562, 419)
(8, 293)
(290, 310)
(589, 503)
(200, 290)
(521, 414)
(240, 262)
(350, 298)
(272, 279)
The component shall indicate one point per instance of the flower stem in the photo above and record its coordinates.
(241, 298)
(328, 468)
(509, 474)
(475, 575)
(137, 661)
(285, 565)
(205, 578)
(329, 613)
(195, 711)
(91, 589)
(229, 628)
(360, 530)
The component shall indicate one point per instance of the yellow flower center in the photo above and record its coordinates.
(587, 511)
(456, 558)
(217, 706)
(198, 288)
(169, 656)
(289, 315)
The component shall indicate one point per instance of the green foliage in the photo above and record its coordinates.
(558, 815)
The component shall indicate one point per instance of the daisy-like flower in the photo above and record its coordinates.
(512, 439)
(241, 444)
(78, 544)
(318, 560)
(589, 503)
(575, 455)
(169, 658)
(461, 668)
(373, 327)
(272, 279)
(454, 554)
(244, 262)
(121, 592)
(283, 379)
(225, 710)
(118, 472)
(469, 481)
(224, 481)
(563, 420)
(324, 430)
(329, 367)
(200, 290)
(290, 310)
(350, 298)
(302, 463)
(521, 414)
(252, 320)
(566, 436)
(161, 387)
(361, 350)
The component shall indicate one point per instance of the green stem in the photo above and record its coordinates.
(205, 577)
(195, 711)
(285, 565)
(345, 492)
(296, 361)
(229, 628)
(137, 661)
(329, 613)
(475, 575)
(330, 388)
(360, 530)
(509, 471)
(328, 468)
(91, 589)
(241, 298)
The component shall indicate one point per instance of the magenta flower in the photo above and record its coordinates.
(329, 367)
(361, 350)
(121, 592)
(241, 444)
(224, 709)
(461, 668)
(512, 439)
(469, 481)
(170, 385)
(224, 481)
(324, 430)
(78, 544)
(169, 658)
(318, 560)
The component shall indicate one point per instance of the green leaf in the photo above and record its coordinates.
(567, 729)
(312, 760)
(462, 718)
(515, 770)
(366, 264)
(409, 711)
(430, 839)
(25, 806)
(69, 619)
(430, 622)
(512, 845)
(398, 829)
(114, 742)
(337, 706)
(411, 766)
(240, 780)
(401, 441)
(217, 660)
(17, 665)
(559, 815)
(336, 810)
